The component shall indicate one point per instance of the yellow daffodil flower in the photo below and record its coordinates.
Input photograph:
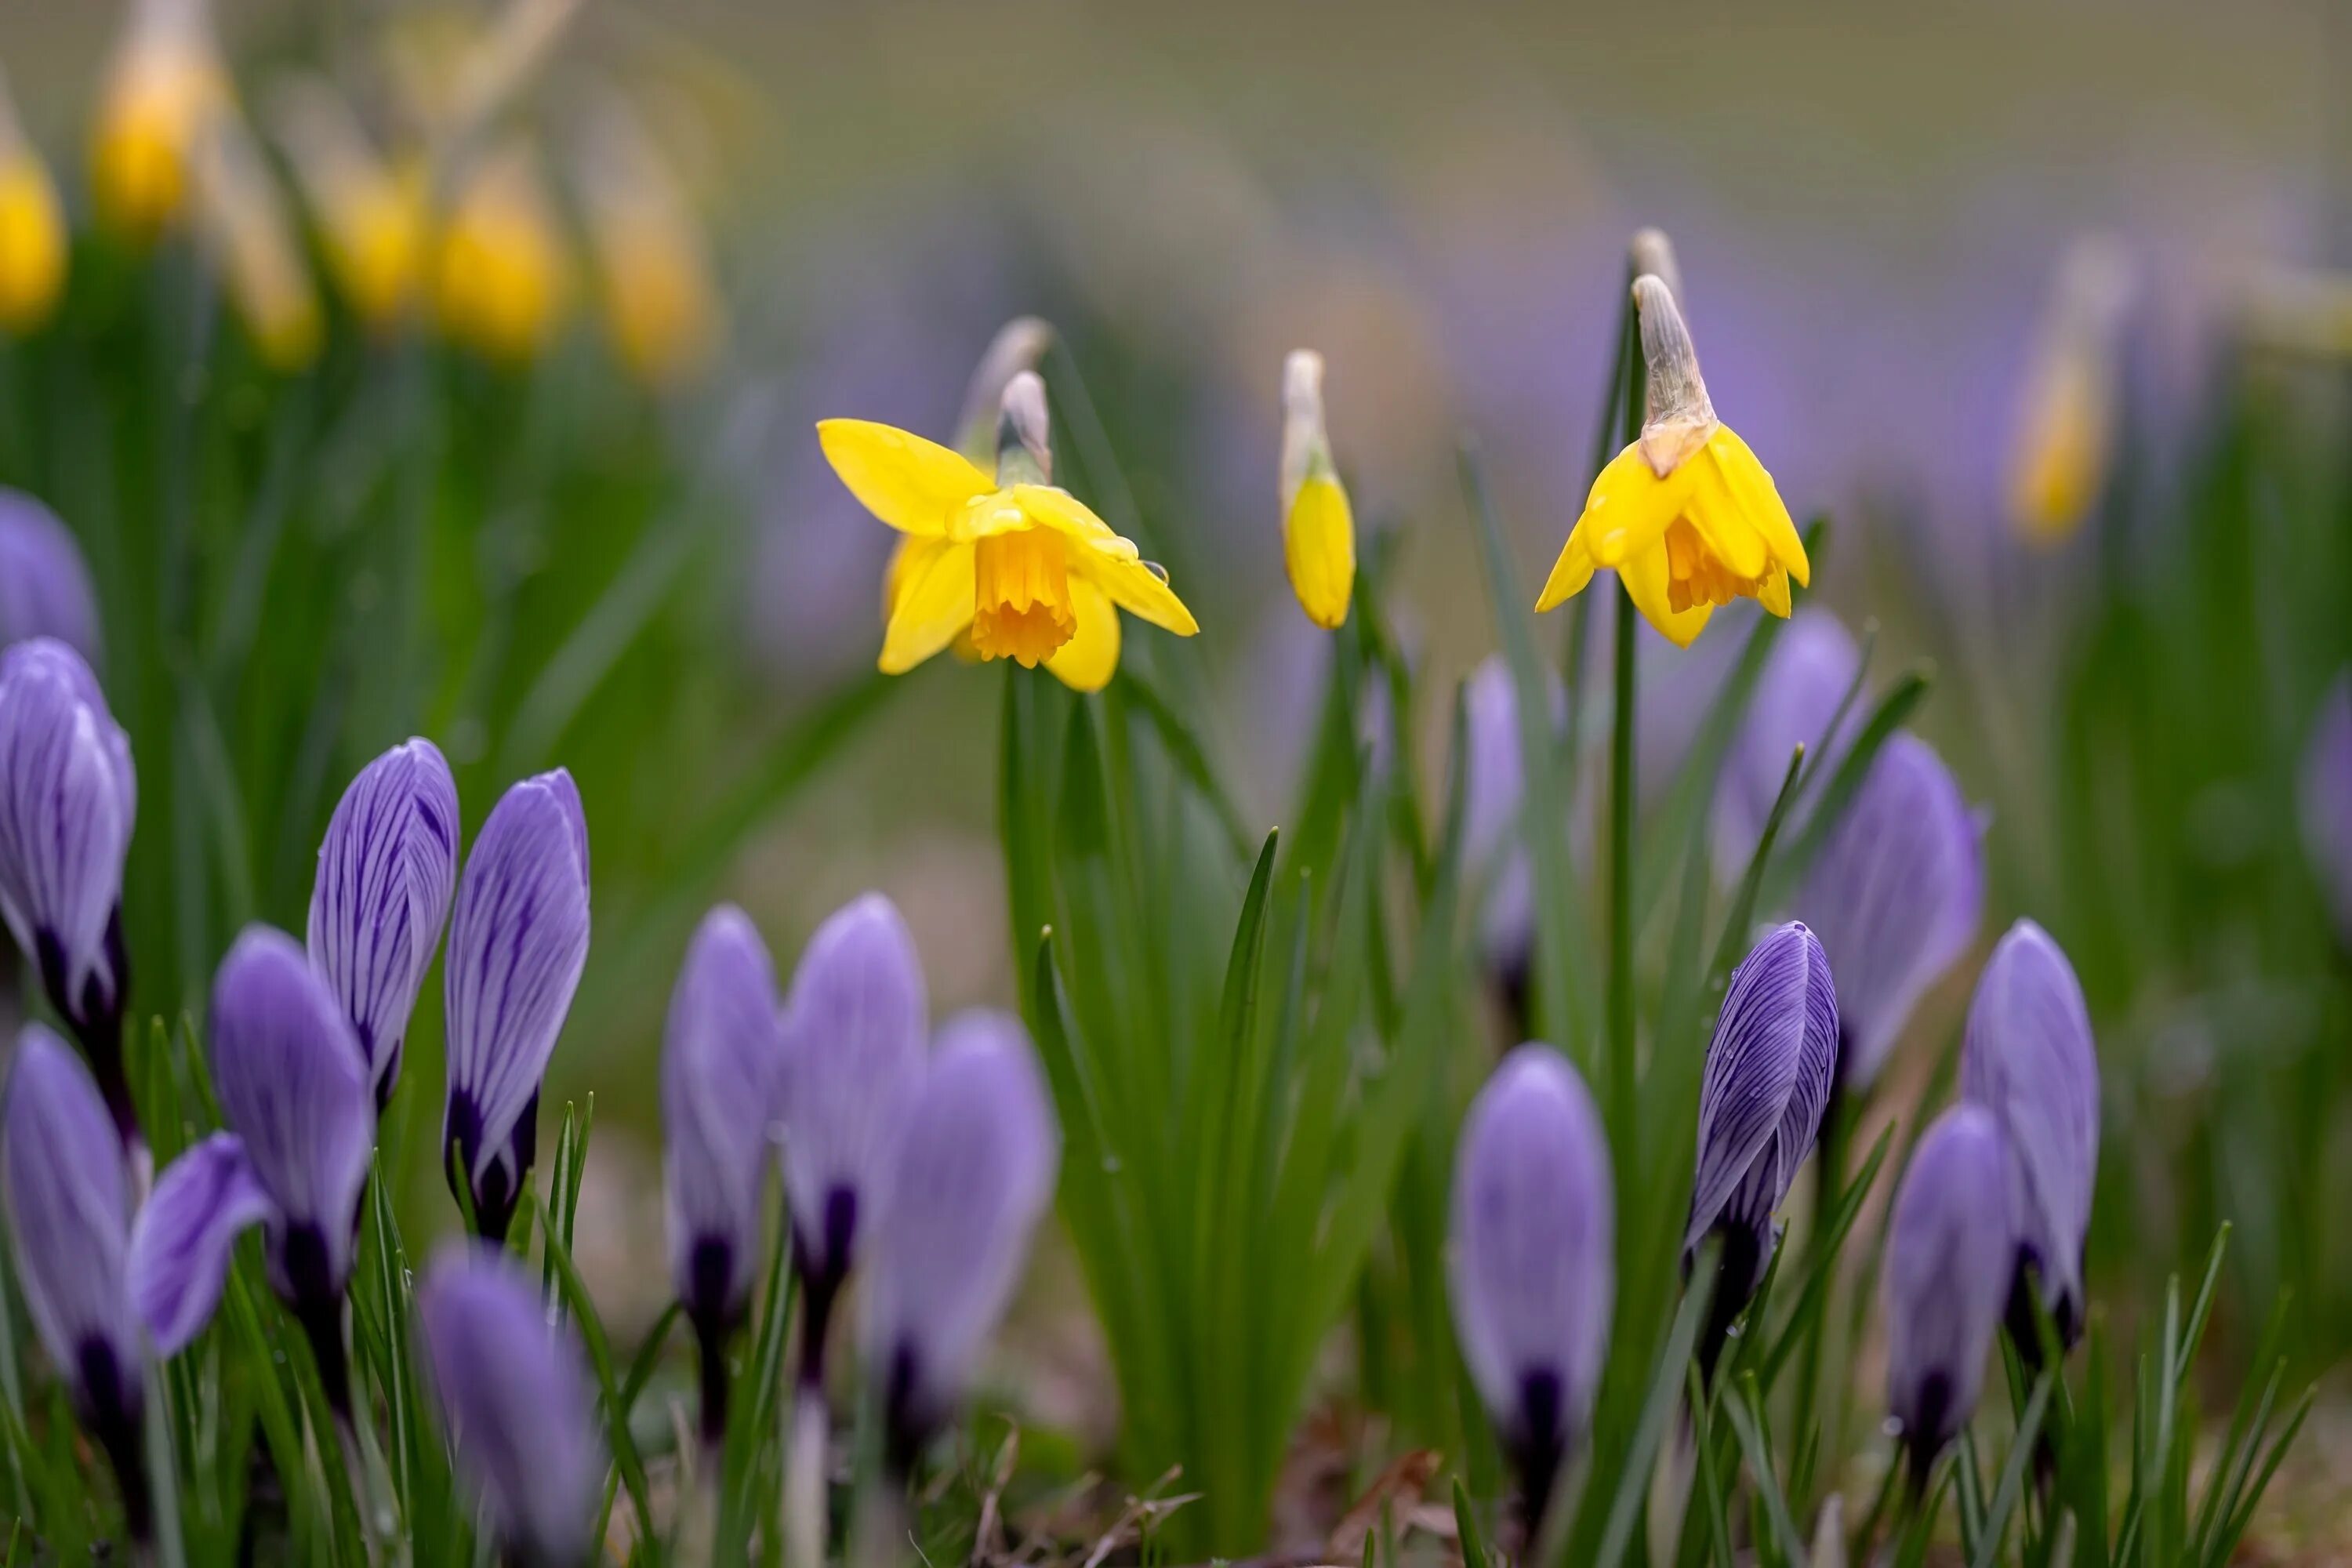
(371, 217)
(163, 87)
(1030, 571)
(501, 278)
(243, 221)
(1686, 515)
(32, 230)
(1318, 530)
(660, 305)
(2066, 418)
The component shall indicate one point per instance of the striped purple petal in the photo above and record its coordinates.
(386, 870)
(513, 1397)
(45, 589)
(1947, 1275)
(2327, 802)
(962, 1191)
(1531, 1263)
(719, 1062)
(2029, 1059)
(1895, 898)
(180, 1247)
(517, 943)
(1812, 667)
(294, 1089)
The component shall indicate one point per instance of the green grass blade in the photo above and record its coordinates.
(600, 1357)
(2013, 1478)
(1665, 1384)
(1741, 1403)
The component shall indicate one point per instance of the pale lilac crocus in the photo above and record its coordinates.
(513, 1397)
(45, 589)
(1531, 1264)
(1944, 1280)
(2327, 790)
(1894, 897)
(386, 869)
(1812, 667)
(517, 946)
(1767, 1081)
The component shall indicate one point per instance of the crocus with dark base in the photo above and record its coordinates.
(513, 1398)
(2327, 790)
(1949, 1259)
(45, 589)
(68, 797)
(386, 869)
(294, 1092)
(518, 944)
(1767, 1081)
(68, 1205)
(720, 1061)
(1894, 898)
(966, 1181)
(2029, 1060)
(1532, 1261)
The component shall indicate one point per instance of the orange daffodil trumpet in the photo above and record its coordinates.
(1686, 515)
(1319, 531)
(1030, 571)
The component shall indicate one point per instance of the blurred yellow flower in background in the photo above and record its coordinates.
(660, 305)
(501, 279)
(242, 218)
(164, 84)
(1030, 571)
(371, 217)
(32, 229)
(2066, 418)
(1318, 528)
(1686, 515)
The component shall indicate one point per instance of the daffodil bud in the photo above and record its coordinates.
(2327, 790)
(660, 304)
(245, 226)
(2066, 414)
(44, 587)
(1949, 1250)
(1020, 344)
(1767, 1081)
(1895, 898)
(1025, 432)
(1318, 528)
(163, 87)
(2027, 1058)
(32, 232)
(501, 279)
(1653, 253)
(371, 217)
(1679, 418)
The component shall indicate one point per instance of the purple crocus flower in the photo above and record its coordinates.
(963, 1189)
(854, 1029)
(1895, 898)
(1532, 1261)
(1948, 1251)
(68, 796)
(62, 1183)
(2029, 1059)
(718, 1069)
(294, 1091)
(518, 944)
(1812, 667)
(45, 589)
(2328, 801)
(1767, 1081)
(386, 869)
(513, 1397)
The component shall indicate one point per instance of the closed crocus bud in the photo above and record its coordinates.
(1895, 898)
(517, 943)
(1493, 840)
(45, 589)
(719, 1059)
(1812, 667)
(62, 1181)
(513, 1398)
(386, 870)
(2029, 1059)
(2327, 802)
(1949, 1250)
(854, 1029)
(1767, 1076)
(1531, 1262)
(967, 1180)
(1318, 528)
(68, 796)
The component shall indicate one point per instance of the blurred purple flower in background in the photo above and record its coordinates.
(2327, 802)
(386, 870)
(518, 944)
(1895, 898)
(69, 1205)
(45, 589)
(720, 1055)
(1947, 1274)
(1767, 1076)
(513, 1397)
(2029, 1059)
(1812, 667)
(1532, 1269)
(966, 1181)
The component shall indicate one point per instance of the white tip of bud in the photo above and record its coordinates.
(1305, 442)
(1020, 344)
(1679, 417)
(1022, 421)
(1653, 256)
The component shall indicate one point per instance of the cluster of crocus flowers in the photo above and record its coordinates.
(163, 89)
(32, 229)
(1318, 530)
(2325, 787)
(1532, 1260)
(654, 283)
(45, 586)
(1025, 569)
(2067, 411)
(1766, 1082)
(1686, 515)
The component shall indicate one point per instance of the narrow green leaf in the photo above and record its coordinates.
(1741, 1403)
(2013, 1478)
(1666, 1384)
(600, 1357)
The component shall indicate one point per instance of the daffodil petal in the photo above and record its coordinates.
(1722, 521)
(915, 486)
(1751, 486)
(1066, 514)
(1646, 578)
(1135, 587)
(1773, 593)
(1628, 507)
(1569, 574)
(1318, 546)
(1088, 660)
(935, 603)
